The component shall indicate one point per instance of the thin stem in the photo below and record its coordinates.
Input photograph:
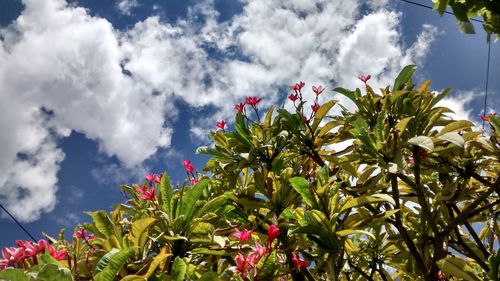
(402, 230)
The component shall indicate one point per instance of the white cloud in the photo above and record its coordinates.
(458, 104)
(126, 6)
(60, 58)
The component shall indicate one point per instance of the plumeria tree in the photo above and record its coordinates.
(394, 190)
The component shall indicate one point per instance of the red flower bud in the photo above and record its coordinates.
(253, 101)
(272, 232)
(221, 124)
(364, 79)
(318, 90)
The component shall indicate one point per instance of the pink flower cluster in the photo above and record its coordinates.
(487, 117)
(26, 250)
(82, 234)
(190, 170)
(297, 95)
(245, 263)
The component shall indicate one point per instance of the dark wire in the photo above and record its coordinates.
(18, 223)
(429, 7)
(487, 80)
(489, 51)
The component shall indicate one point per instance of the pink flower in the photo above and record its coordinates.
(80, 233)
(58, 255)
(186, 163)
(150, 178)
(242, 266)
(253, 259)
(32, 249)
(240, 107)
(486, 118)
(149, 195)
(252, 101)
(3, 264)
(318, 90)
(293, 97)
(423, 154)
(299, 262)
(141, 189)
(259, 249)
(242, 235)
(272, 232)
(298, 86)
(12, 254)
(364, 79)
(221, 124)
(194, 181)
(188, 166)
(315, 107)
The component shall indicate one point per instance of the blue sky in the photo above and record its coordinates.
(95, 94)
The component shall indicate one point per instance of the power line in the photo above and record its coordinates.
(18, 223)
(429, 7)
(487, 80)
(489, 52)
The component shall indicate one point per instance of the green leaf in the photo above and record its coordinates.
(401, 126)
(440, 96)
(403, 77)
(422, 141)
(458, 268)
(179, 269)
(114, 266)
(208, 276)
(454, 138)
(466, 27)
(363, 200)
(301, 185)
(495, 122)
(161, 257)
(440, 6)
(456, 126)
(347, 232)
(102, 222)
(166, 192)
(134, 278)
(139, 233)
(104, 261)
(52, 272)
(350, 94)
(190, 197)
(320, 114)
(14, 274)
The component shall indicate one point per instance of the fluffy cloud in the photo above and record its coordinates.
(53, 60)
(118, 87)
(126, 6)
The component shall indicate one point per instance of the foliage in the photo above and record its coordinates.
(395, 190)
(465, 10)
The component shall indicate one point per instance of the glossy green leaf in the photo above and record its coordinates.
(302, 186)
(102, 222)
(363, 200)
(52, 272)
(14, 274)
(422, 141)
(403, 77)
(321, 113)
(166, 192)
(116, 262)
(458, 268)
(179, 269)
(139, 232)
(454, 138)
(190, 197)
